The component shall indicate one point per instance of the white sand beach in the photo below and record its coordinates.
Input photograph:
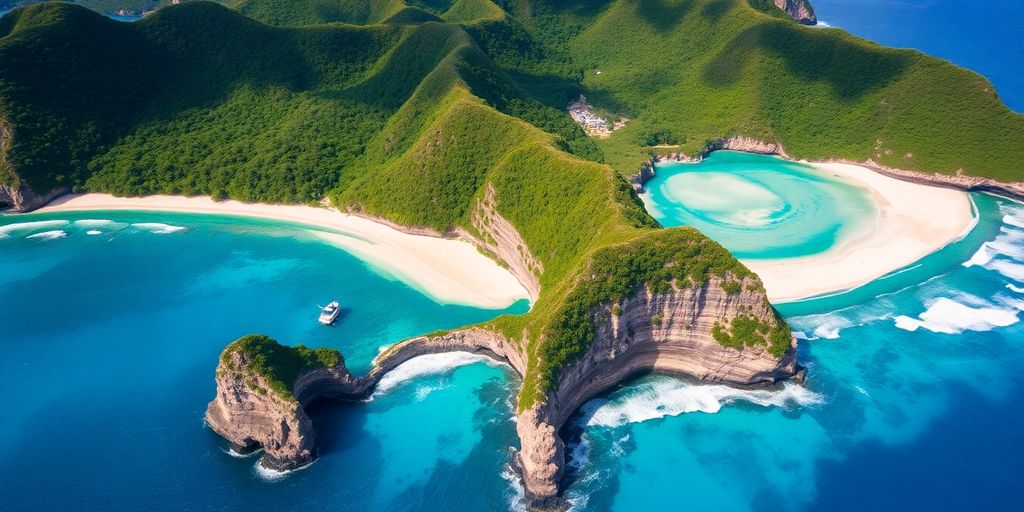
(448, 270)
(913, 221)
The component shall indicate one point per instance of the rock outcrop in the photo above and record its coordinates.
(251, 414)
(669, 333)
(500, 237)
(799, 10)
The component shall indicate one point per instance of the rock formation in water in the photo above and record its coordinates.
(687, 331)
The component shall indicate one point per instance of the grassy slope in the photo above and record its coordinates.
(708, 68)
(414, 121)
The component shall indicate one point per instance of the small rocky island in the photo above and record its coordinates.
(671, 302)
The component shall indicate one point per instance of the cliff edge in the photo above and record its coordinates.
(669, 302)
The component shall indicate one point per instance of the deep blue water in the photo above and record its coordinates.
(987, 37)
(110, 341)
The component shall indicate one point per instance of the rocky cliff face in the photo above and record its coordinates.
(502, 239)
(251, 415)
(799, 10)
(13, 193)
(668, 333)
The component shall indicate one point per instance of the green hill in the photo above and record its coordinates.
(422, 112)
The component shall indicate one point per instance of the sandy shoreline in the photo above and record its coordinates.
(448, 270)
(913, 221)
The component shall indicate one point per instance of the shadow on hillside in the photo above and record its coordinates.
(850, 69)
(662, 14)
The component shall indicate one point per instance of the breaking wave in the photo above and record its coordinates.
(5, 231)
(49, 235)
(94, 232)
(425, 365)
(158, 227)
(665, 396)
(948, 316)
(271, 475)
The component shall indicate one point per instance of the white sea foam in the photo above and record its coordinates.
(425, 365)
(233, 453)
(1008, 269)
(94, 232)
(1016, 289)
(6, 231)
(49, 235)
(94, 223)
(158, 227)
(945, 315)
(670, 397)
(271, 475)
(517, 495)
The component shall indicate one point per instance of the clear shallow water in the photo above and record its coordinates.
(110, 342)
(914, 402)
(759, 206)
(982, 36)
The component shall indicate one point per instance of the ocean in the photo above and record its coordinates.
(982, 36)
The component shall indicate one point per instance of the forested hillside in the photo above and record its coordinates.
(423, 112)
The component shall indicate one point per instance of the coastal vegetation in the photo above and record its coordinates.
(417, 111)
(279, 365)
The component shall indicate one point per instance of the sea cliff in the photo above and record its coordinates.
(680, 329)
(799, 10)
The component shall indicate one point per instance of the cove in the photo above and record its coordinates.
(113, 322)
(759, 207)
(912, 402)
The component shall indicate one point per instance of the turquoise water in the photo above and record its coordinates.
(110, 341)
(913, 402)
(985, 37)
(759, 206)
(914, 399)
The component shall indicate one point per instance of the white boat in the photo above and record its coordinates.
(329, 313)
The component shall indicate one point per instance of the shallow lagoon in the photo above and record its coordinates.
(759, 207)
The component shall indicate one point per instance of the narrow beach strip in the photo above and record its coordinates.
(448, 270)
(913, 221)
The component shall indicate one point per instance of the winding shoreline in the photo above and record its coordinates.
(915, 218)
(449, 270)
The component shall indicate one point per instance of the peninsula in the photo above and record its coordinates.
(449, 118)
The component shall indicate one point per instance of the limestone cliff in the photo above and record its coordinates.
(670, 333)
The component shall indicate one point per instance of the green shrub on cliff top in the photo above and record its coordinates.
(280, 365)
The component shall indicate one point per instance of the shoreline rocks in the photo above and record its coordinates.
(668, 332)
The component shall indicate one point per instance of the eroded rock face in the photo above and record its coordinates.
(799, 10)
(667, 333)
(251, 415)
(502, 239)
